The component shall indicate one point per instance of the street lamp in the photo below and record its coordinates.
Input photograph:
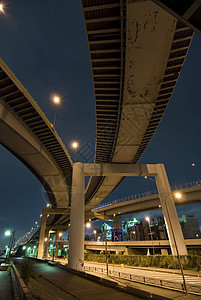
(95, 232)
(88, 225)
(106, 252)
(178, 196)
(75, 146)
(12, 235)
(56, 101)
(151, 233)
(196, 173)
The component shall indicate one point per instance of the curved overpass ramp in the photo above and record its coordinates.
(137, 52)
(27, 134)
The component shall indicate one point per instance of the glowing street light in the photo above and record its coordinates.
(75, 145)
(151, 233)
(95, 234)
(196, 172)
(1, 7)
(7, 233)
(88, 224)
(56, 100)
(11, 234)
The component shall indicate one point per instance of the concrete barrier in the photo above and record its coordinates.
(24, 292)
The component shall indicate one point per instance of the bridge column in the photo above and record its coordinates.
(116, 221)
(47, 236)
(76, 242)
(42, 236)
(57, 243)
(169, 210)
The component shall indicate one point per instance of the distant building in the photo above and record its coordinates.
(108, 229)
(162, 232)
(190, 227)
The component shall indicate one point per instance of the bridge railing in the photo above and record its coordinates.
(147, 194)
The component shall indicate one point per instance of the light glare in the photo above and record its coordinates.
(56, 99)
(1, 7)
(7, 233)
(75, 145)
(88, 224)
(178, 195)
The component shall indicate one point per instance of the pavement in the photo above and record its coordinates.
(81, 288)
(72, 286)
(5, 293)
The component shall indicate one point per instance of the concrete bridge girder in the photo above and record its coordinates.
(20, 140)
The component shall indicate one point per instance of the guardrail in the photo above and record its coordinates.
(192, 289)
(146, 194)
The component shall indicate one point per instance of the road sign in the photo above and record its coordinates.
(117, 235)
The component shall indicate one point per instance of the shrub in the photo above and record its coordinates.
(26, 270)
(191, 262)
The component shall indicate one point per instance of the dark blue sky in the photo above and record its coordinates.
(44, 44)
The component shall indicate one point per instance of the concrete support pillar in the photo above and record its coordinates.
(47, 236)
(169, 210)
(42, 236)
(164, 252)
(116, 221)
(57, 243)
(76, 242)
(129, 251)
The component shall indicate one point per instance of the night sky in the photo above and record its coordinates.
(44, 43)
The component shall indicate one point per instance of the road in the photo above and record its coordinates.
(72, 286)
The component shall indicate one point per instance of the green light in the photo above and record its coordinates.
(7, 233)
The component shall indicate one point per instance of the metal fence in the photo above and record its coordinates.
(178, 286)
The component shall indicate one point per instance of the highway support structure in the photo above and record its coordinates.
(44, 233)
(77, 214)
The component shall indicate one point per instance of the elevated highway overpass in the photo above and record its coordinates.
(132, 247)
(191, 193)
(137, 52)
(26, 132)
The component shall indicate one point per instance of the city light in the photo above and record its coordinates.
(60, 234)
(88, 224)
(178, 195)
(7, 233)
(193, 165)
(147, 219)
(1, 7)
(56, 99)
(74, 145)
